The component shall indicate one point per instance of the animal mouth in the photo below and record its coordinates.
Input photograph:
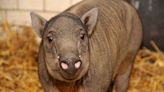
(70, 77)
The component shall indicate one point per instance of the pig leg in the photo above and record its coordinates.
(123, 76)
(122, 81)
(94, 82)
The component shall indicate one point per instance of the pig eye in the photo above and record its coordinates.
(82, 36)
(50, 39)
(50, 36)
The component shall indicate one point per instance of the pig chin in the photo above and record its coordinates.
(70, 78)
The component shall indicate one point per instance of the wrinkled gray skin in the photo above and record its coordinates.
(89, 47)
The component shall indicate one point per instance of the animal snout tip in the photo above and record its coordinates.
(70, 67)
(64, 65)
(78, 64)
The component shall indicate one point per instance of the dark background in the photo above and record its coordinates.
(152, 16)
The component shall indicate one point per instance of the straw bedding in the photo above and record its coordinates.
(18, 64)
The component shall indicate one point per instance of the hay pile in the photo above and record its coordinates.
(18, 64)
(148, 72)
(18, 53)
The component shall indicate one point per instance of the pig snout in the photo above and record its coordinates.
(70, 65)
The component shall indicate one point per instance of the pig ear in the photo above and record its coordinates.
(90, 19)
(38, 23)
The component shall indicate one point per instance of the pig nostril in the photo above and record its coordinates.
(78, 64)
(70, 67)
(64, 65)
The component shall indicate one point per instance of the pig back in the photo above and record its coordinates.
(110, 40)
